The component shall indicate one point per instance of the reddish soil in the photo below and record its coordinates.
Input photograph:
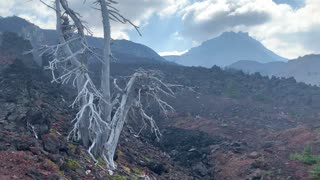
(22, 165)
(273, 147)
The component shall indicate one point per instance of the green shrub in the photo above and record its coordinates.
(315, 172)
(306, 157)
(119, 177)
(73, 164)
(101, 162)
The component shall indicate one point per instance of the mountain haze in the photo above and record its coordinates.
(265, 69)
(226, 49)
(303, 69)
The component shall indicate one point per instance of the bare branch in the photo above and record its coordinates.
(100, 117)
(49, 6)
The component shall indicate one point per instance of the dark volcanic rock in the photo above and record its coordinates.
(35, 174)
(54, 177)
(51, 143)
(186, 146)
(157, 167)
(39, 121)
(200, 169)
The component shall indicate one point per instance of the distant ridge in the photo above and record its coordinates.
(124, 50)
(303, 69)
(226, 49)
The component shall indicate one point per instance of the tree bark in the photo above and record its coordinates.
(105, 75)
(84, 124)
(105, 105)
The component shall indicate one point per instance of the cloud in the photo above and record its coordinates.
(206, 19)
(288, 27)
(138, 11)
(293, 3)
(30, 10)
(172, 53)
(291, 32)
(5, 7)
(172, 7)
(288, 31)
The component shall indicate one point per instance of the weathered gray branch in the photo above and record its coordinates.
(94, 124)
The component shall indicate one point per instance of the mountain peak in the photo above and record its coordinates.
(226, 49)
(232, 33)
(231, 37)
(236, 36)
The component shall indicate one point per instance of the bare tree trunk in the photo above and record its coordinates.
(105, 75)
(105, 105)
(84, 123)
(118, 122)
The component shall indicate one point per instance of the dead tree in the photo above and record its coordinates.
(95, 125)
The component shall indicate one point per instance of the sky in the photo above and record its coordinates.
(290, 28)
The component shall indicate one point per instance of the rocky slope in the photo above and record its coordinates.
(227, 125)
(238, 126)
(35, 121)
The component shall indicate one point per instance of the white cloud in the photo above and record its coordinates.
(290, 50)
(206, 19)
(288, 31)
(120, 35)
(172, 6)
(29, 10)
(172, 53)
(138, 11)
(5, 7)
(291, 32)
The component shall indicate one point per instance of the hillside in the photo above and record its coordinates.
(304, 69)
(251, 124)
(132, 50)
(217, 51)
(227, 125)
(35, 121)
(14, 24)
